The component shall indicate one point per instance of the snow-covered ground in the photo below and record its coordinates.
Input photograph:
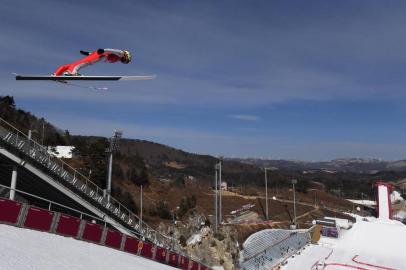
(23, 249)
(396, 197)
(308, 257)
(363, 202)
(197, 237)
(375, 242)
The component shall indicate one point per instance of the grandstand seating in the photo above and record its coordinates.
(43, 220)
(267, 248)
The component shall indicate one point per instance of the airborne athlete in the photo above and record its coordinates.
(70, 72)
(108, 55)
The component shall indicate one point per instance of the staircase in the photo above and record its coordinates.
(31, 154)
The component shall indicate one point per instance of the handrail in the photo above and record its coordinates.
(120, 212)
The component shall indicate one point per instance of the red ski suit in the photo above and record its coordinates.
(109, 55)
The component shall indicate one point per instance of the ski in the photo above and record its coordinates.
(83, 78)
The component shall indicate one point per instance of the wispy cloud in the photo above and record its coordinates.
(225, 58)
(232, 62)
(245, 117)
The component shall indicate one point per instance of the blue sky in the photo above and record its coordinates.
(310, 80)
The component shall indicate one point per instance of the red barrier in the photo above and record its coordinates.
(173, 259)
(203, 267)
(131, 245)
(113, 239)
(183, 262)
(193, 265)
(92, 232)
(68, 225)
(39, 219)
(145, 249)
(9, 211)
(160, 254)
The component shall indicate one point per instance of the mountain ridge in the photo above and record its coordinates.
(354, 165)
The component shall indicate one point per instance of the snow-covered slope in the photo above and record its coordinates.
(22, 249)
(370, 241)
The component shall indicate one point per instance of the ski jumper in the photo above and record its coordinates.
(108, 55)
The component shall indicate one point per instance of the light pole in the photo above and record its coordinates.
(266, 195)
(113, 148)
(294, 181)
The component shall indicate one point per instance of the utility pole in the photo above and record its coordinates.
(215, 199)
(113, 148)
(294, 181)
(266, 195)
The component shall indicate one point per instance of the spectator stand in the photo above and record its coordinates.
(268, 248)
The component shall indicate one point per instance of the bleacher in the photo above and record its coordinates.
(32, 217)
(268, 248)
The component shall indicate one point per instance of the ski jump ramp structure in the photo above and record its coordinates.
(36, 171)
(384, 206)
